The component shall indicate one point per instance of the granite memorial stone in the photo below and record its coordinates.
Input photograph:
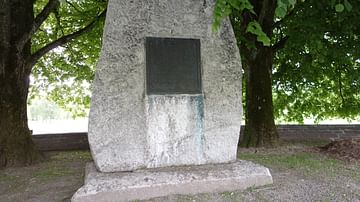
(167, 89)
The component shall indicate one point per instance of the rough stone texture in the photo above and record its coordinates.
(150, 183)
(182, 117)
(127, 128)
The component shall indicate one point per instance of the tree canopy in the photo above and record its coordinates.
(42, 33)
(65, 73)
(316, 65)
(317, 73)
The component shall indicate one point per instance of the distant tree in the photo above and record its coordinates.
(45, 110)
(41, 33)
(306, 48)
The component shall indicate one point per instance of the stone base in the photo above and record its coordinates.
(150, 183)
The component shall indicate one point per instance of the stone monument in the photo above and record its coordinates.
(166, 105)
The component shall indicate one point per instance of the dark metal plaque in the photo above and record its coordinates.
(173, 66)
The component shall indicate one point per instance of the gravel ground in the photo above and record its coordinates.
(299, 174)
(286, 187)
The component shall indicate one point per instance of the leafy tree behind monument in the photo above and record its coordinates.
(24, 40)
(307, 48)
(316, 74)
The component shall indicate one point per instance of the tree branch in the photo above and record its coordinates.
(61, 41)
(264, 8)
(280, 44)
(40, 18)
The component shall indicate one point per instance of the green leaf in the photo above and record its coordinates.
(348, 6)
(292, 2)
(255, 28)
(234, 4)
(339, 8)
(283, 2)
(280, 12)
(227, 11)
(264, 39)
(239, 5)
(245, 4)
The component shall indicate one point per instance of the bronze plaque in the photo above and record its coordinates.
(173, 66)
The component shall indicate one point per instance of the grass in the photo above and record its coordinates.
(227, 194)
(11, 183)
(57, 169)
(53, 172)
(310, 164)
(305, 161)
(54, 167)
(70, 156)
(5, 178)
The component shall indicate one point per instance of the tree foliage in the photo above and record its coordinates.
(44, 110)
(317, 73)
(316, 66)
(316, 63)
(35, 32)
(65, 73)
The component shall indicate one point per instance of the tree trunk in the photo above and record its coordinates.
(260, 129)
(16, 146)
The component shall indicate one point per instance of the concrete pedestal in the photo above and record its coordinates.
(150, 183)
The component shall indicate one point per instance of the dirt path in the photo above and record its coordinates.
(54, 180)
(299, 175)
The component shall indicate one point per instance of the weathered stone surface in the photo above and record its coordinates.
(128, 129)
(181, 116)
(150, 183)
